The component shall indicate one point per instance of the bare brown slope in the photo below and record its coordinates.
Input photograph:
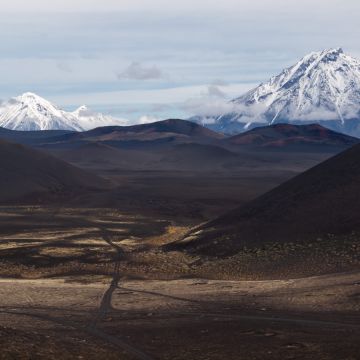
(150, 131)
(173, 129)
(189, 156)
(311, 221)
(98, 156)
(288, 135)
(25, 171)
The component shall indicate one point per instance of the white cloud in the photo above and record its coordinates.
(326, 115)
(165, 5)
(137, 71)
(209, 107)
(160, 97)
(220, 82)
(146, 119)
(215, 91)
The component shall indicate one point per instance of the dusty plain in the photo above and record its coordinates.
(80, 283)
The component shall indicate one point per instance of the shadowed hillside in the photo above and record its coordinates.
(25, 171)
(310, 224)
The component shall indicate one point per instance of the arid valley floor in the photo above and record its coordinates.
(76, 285)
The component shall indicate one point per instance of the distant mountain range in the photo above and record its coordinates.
(183, 145)
(31, 112)
(322, 88)
(176, 132)
(266, 155)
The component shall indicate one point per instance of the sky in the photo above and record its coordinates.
(147, 60)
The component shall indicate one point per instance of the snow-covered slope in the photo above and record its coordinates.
(88, 119)
(31, 112)
(323, 87)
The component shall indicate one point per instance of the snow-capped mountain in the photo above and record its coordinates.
(323, 87)
(88, 119)
(31, 112)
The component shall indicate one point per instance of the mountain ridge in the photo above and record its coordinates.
(323, 87)
(30, 112)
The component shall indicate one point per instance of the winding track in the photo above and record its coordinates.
(106, 306)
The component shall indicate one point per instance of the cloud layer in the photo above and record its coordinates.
(137, 71)
(176, 5)
(171, 58)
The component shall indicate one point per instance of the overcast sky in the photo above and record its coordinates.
(161, 58)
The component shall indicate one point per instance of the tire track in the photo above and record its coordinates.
(95, 332)
(106, 303)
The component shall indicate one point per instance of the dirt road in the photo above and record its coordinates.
(186, 319)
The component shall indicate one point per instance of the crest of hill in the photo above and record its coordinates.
(288, 135)
(178, 129)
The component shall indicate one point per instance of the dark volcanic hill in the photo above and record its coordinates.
(281, 136)
(182, 157)
(179, 145)
(171, 130)
(31, 137)
(308, 225)
(197, 157)
(167, 133)
(25, 171)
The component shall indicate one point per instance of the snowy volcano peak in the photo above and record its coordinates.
(322, 87)
(328, 74)
(36, 105)
(332, 54)
(326, 55)
(32, 112)
(29, 97)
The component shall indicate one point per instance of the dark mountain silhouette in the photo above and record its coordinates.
(174, 129)
(31, 137)
(25, 171)
(311, 221)
(280, 136)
